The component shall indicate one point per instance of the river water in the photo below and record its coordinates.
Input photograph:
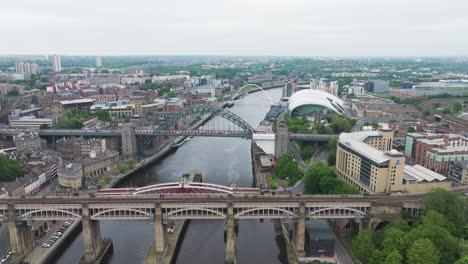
(222, 161)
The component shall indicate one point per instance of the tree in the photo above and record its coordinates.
(13, 93)
(103, 115)
(457, 107)
(395, 239)
(375, 124)
(462, 260)
(10, 169)
(131, 163)
(313, 175)
(345, 188)
(307, 150)
(104, 71)
(327, 184)
(286, 167)
(446, 244)
(422, 251)
(378, 257)
(149, 114)
(435, 218)
(426, 112)
(394, 257)
(44, 126)
(22, 106)
(331, 160)
(446, 203)
(447, 111)
(411, 130)
(363, 246)
(333, 142)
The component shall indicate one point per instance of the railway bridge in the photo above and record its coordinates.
(19, 212)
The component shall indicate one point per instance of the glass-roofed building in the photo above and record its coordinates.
(309, 102)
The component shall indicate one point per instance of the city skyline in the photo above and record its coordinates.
(246, 28)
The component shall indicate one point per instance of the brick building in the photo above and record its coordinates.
(435, 151)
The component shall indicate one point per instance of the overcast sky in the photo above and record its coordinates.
(237, 27)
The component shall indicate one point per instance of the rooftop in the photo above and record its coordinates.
(77, 101)
(389, 106)
(421, 174)
(355, 141)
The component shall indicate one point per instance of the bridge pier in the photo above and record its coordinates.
(160, 232)
(129, 141)
(282, 139)
(230, 253)
(299, 241)
(91, 236)
(21, 235)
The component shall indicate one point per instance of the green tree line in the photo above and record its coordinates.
(439, 237)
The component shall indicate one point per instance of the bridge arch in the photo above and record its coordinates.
(207, 109)
(336, 210)
(280, 211)
(56, 211)
(207, 210)
(199, 109)
(142, 213)
(245, 86)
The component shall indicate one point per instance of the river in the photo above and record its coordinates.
(222, 161)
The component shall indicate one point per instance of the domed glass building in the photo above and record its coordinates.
(308, 102)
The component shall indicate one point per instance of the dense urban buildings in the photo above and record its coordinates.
(31, 68)
(325, 85)
(79, 148)
(366, 160)
(436, 151)
(26, 143)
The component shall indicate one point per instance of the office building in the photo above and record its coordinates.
(56, 64)
(435, 151)
(31, 68)
(98, 61)
(377, 86)
(459, 171)
(366, 160)
(31, 122)
(325, 85)
(289, 88)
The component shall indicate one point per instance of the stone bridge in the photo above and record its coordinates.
(371, 210)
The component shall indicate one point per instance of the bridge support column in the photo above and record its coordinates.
(129, 141)
(299, 241)
(21, 235)
(91, 236)
(160, 233)
(281, 139)
(230, 253)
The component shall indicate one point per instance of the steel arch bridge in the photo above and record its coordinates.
(215, 111)
(179, 188)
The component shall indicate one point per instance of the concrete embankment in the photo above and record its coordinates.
(174, 240)
(41, 255)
